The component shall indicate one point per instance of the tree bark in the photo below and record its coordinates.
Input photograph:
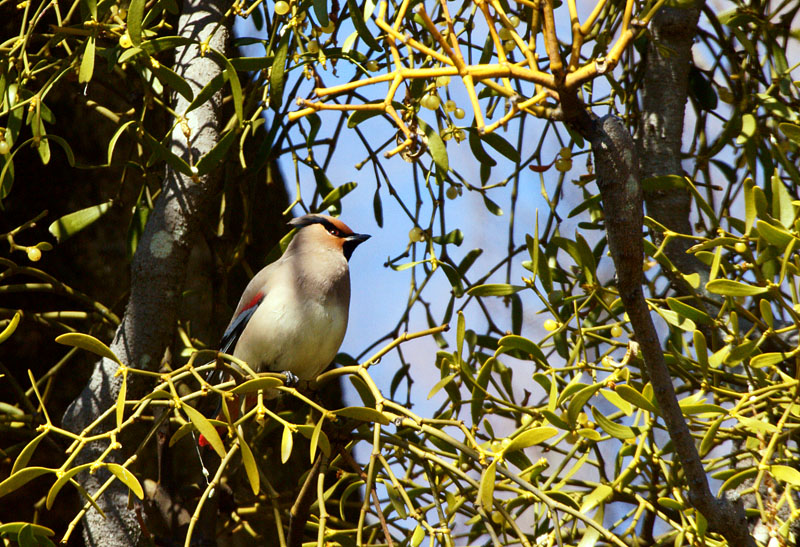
(159, 268)
(660, 131)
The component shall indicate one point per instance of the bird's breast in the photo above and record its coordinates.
(295, 329)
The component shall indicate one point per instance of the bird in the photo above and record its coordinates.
(293, 314)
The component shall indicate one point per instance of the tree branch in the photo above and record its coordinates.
(618, 180)
(159, 266)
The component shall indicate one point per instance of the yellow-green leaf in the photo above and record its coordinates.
(11, 327)
(13, 528)
(787, 474)
(630, 394)
(123, 393)
(616, 430)
(89, 343)
(135, 16)
(287, 442)
(127, 478)
(250, 386)
(87, 63)
(598, 495)
(250, 467)
(728, 287)
(496, 289)
(206, 429)
(530, 437)
(72, 223)
(486, 488)
(62, 480)
(363, 413)
(440, 384)
(21, 477)
(614, 398)
(25, 455)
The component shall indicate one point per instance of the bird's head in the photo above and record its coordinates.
(323, 232)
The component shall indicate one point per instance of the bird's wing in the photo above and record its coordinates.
(239, 322)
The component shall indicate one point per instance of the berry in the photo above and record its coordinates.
(452, 192)
(508, 46)
(281, 7)
(329, 28)
(740, 247)
(442, 81)
(4, 147)
(313, 46)
(449, 106)
(616, 331)
(550, 325)
(459, 113)
(514, 20)
(125, 41)
(372, 66)
(416, 234)
(504, 34)
(34, 254)
(566, 153)
(431, 101)
(563, 165)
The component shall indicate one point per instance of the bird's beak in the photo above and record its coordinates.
(351, 242)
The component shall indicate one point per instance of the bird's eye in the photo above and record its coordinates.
(335, 232)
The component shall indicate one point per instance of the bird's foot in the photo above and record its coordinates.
(290, 379)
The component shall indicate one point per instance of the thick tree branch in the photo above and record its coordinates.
(660, 131)
(618, 180)
(159, 267)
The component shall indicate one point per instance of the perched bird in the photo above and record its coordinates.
(292, 316)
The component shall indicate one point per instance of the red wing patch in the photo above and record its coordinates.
(255, 301)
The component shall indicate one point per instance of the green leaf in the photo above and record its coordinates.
(595, 497)
(477, 149)
(62, 481)
(630, 394)
(710, 437)
(498, 289)
(357, 18)
(440, 384)
(170, 79)
(479, 390)
(214, 157)
(782, 208)
(321, 11)
(492, 207)
(20, 478)
(134, 20)
(250, 467)
(738, 479)
(749, 205)
(359, 116)
(287, 442)
(277, 79)
(524, 345)
(555, 420)
(774, 235)
(117, 134)
(323, 443)
(530, 437)
(251, 386)
(614, 398)
(616, 430)
(214, 85)
(89, 343)
(689, 312)
(25, 455)
(769, 359)
(728, 287)
(13, 528)
(72, 223)
(579, 401)
(91, 5)
(791, 130)
(417, 536)
(787, 474)
(10, 328)
(87, 63)
(436, 146)
(206, 429)
(127, 478)
(120, 405)
(363, 413)
(334, 196)
(701, 408)
(676, 319)
(486, 488)
(501, 145)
